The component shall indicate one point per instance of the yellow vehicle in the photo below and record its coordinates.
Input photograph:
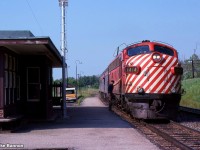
(70, 94)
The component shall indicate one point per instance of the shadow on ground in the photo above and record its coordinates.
(79, 117)
(187, 117)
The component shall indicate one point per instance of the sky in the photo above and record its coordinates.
(95, 28)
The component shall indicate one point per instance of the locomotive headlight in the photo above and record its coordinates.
(156, 57)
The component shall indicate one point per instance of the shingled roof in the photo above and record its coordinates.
(15, 34)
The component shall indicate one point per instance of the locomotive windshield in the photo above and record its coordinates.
(164, 50)
(138, 50)
(145, 49)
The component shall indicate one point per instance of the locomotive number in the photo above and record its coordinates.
(133, 69)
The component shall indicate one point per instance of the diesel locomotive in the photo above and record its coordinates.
(147, 78)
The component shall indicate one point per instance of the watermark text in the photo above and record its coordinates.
(8, 145)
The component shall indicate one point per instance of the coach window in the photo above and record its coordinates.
(164, 50)
(138, 50)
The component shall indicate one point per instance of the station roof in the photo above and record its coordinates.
(25, 43)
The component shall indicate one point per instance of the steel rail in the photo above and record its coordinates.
(169, 138)
(173, 137)
(190, 110)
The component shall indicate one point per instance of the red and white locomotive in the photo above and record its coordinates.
(147, 78)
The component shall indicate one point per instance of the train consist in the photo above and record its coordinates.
(147, 78)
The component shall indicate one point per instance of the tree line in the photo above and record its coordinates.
(82, 81)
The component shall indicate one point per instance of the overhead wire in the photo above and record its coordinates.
(34, 16)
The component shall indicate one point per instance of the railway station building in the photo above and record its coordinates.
(26, 64)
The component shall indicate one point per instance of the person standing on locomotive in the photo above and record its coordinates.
(110, 93)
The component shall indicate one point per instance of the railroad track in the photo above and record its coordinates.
(183, 137)
(167, 136)
(189, 110)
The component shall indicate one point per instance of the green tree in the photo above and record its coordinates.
(194, 57)
(191, 67)
(83, 81)
(71, 82)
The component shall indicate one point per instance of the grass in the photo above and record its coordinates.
(86, 92)
(192, 96)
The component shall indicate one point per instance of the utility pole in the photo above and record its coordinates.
(63, 4)
(77, 61)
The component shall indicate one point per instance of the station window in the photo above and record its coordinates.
(33, 84)
(9, 79)
(18, 87)
(5, 86)
(6, 61)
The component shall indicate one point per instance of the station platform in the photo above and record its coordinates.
(90, 126)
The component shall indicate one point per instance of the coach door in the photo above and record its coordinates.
(33, 84)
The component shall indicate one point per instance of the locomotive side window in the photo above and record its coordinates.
(138, 50)
(164, 50)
